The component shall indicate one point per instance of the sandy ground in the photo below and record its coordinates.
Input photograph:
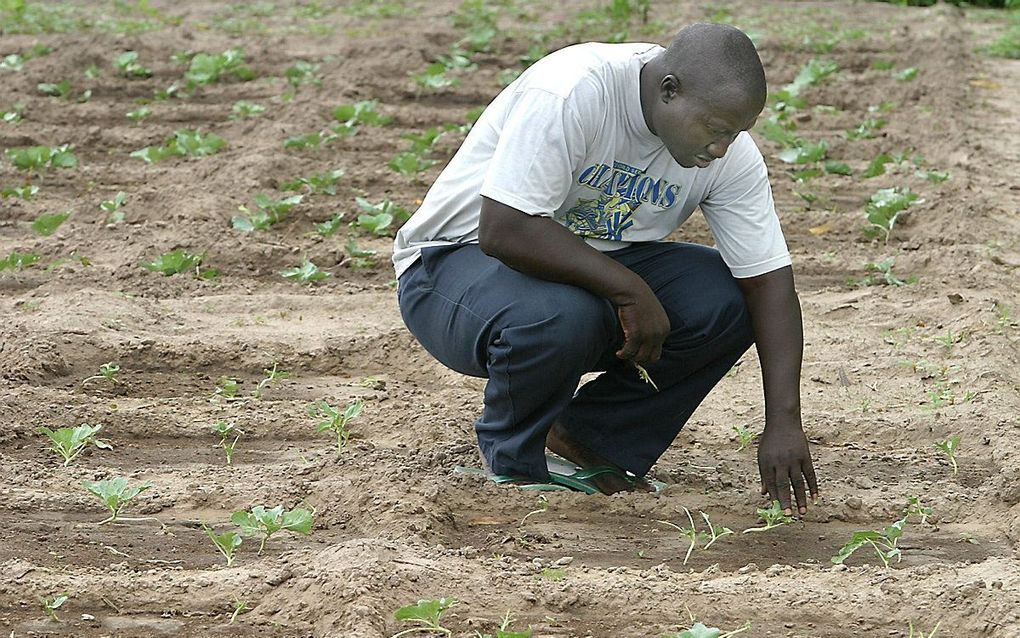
(888, 371)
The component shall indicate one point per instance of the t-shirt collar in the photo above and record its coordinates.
(643, 134)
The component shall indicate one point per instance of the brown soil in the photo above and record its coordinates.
(888, 370)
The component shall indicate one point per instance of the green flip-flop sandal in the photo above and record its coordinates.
(563, 476)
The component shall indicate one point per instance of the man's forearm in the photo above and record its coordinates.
(779, 337)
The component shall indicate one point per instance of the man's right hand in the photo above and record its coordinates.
(645, 326)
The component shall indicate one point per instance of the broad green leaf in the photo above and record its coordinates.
(838, 168)
(426, 611)
(48, 224)
(174, 262)
(877, 165)
(805, 154)
(17, 261)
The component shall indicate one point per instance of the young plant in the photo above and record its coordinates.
(271, 375)
(950, 446)
(310, 140)
(185, 142)
(55, 89)
(35, 158)
(543, 505)
(920, 632)
(773, 517)
(240, 606)
(377, 218)
(175, 262)
(17, 261)
(112, 207)
(262, 522)
(336, 421)
(359, 257)
(26, 192)
(227, 388)
(647, 378)
(70, 442)
(127, 64)
(48, 224)
(139, 114)
(243, 109)
(699, 630)
(307, 272)
(804, 152)
(744, 436)
(884, 542)
(227, 542)
(884, 268)
(691, 533)
(115, 494)
(267, 213)
(427, 614)
(884, 209)
(208, 68)
(351, 116)
(51, 605)
(302, 73)
(107, 371)
(322, 183)
(225, 431)
(504, 630)
(330, 226)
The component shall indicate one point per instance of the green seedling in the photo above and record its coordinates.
(206, 68)
(773, 517)
(359, 257)
(554, 575)
(330, 226)
(240, 606)
(227, 542)
(935, 177)
(804, 152)
(309, 140)
(867, 129)
(427, 614)
(55, 89)
(699, 630)
(920, 632)
(504, 630)
(17, 261)
(647, 378)
(884, 542)
(906, 75)
(139, 114)
(813, 72)
(884, 209)
(26, 192)
(107, 371)
(377, 218)
(435, 77)
(303, 73)
(950, 447)
(262, 522)
(691, 533)
(424, 142)
(70, 442)
(14, 115)
(112, 207)
(51, 605)
(244, 109)
(225, 431)
(185, 142)
(543, 505)
(319, 183)
(35, 158)
(271, 376)
(127, 64)
(115, 494)
(351, 116)
(877, 165)
(92, 72)
(881, 273)
(745, 437)
(307, 272)
(715, 532)
(268, 212)
(169, 93)
(227, 388)
(13, 62)
(48, 224)
(336, 421)
(175, 262)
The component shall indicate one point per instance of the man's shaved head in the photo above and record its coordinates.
(716, 58)
(702, 91)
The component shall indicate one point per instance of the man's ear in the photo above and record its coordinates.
(669, 88)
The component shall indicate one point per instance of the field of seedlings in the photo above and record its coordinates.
(216, 424)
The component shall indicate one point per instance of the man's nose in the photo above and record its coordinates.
(718, 148)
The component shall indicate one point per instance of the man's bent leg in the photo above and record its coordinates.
(624, 419)
(532, 338)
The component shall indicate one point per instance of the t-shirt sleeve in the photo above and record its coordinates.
(540, 144)
(742, 215)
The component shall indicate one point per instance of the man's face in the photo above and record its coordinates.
(697, 131)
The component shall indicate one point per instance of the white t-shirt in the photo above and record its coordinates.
(568, 140)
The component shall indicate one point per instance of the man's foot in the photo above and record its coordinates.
(560, 442)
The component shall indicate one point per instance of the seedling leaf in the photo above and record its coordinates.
(48, 224)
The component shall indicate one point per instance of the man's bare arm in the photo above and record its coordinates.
(542, 248)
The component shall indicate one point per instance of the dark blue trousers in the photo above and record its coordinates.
(533, 339)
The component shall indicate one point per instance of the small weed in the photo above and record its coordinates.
(115, 494)
(271, 376)
(51, 605)
(745, 437)
(920, 632)
(185, 142)
(543, 505)
(107, 371)
(47, 224)
(127, 65)
(773, 517)
(553, 574)
(225, 431)
(262, 522)
(307, 272)
(70, 442)
(336, 421)
(950, 447)
(267, 213)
